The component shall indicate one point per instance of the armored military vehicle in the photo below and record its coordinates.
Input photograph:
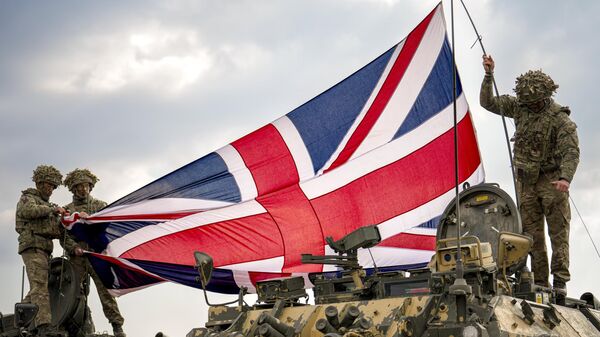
(67, 302)
(476, 286)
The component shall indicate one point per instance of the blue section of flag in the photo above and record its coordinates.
(435, 95)
(432, 223)
(205, 178)
(333, 112)
(125, 278)
(221, 280)
(94, 235)
(100, 235)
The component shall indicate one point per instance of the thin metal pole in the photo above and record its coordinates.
(459, 264)
(22, 283)
(510, 156)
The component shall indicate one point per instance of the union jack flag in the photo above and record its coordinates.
(375, 149)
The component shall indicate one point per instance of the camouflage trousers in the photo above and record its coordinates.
(37, 265)
(541, 200)
(109, 304)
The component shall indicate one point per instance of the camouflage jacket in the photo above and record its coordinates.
(89, 205)
(545, 141)
(36, 222)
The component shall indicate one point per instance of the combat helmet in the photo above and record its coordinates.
(534, 86)
(79, 176)
(47, 173)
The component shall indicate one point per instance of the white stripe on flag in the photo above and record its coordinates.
(241, 173)
(385, 257)
(296, 146)
(148, 233)
(159, 206)
(392, 256)
(408, 89)
(242, 279)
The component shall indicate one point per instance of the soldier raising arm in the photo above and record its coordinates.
(546, 155)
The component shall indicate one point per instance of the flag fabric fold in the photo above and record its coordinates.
(375, 149)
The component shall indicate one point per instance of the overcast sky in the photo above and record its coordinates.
(133, 90)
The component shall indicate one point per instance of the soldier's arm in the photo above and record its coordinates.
(504, 104)
(29, 209)
(568, 148)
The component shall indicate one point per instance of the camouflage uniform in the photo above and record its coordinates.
(546, 149)
(82, 265)
(38, 223)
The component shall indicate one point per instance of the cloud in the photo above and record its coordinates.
(165, 60)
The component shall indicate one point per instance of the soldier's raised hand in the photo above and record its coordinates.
(561, 185)
(488, 63)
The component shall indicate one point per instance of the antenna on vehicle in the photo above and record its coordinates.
(22, 282)
(460, 288)
(374, 263)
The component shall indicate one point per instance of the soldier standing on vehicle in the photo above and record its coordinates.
(81, 182)
(546, 155)
(38, 223)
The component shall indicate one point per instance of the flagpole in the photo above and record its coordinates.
(460, 289)
(459, 264)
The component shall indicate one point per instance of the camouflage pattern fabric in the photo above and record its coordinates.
(546, 149)
(36, 222)
(83, 267)
(37, 264)
(38, 225)
(539, 200)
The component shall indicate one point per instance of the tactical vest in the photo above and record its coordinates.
(40, 231)
(535, 143)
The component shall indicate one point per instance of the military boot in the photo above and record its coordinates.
(118, 330)
(560, 291)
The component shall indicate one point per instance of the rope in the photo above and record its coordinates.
(585, 226)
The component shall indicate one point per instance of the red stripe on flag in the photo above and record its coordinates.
(299, 226)
(401, 186)
(385, 93)
(269, 160)
(241, 240)
(410, 241)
